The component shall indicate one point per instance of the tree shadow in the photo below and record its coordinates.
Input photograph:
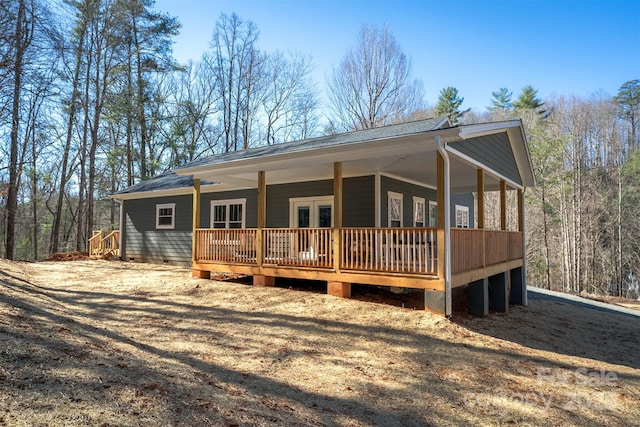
(567, 327)
(68, 329)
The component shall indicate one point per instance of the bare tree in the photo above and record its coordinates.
(22, 38)
(236, 64)
(372, 86)
(289, 100)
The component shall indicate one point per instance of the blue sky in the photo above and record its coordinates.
(559, 47)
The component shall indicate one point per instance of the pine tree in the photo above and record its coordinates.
(501, 101)
(628, 101)
(449, 104)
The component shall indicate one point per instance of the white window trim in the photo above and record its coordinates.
(228, 202)
(425, 219)
(392, 195)
(171, 226)
(434, 205)
(313, 201)
(464, 209)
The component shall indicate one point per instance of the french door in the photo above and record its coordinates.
(312, 212)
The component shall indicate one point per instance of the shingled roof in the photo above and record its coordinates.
(165, 181)
(170, 180)
(325, 141)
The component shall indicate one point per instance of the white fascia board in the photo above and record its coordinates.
(482, 166)
(482, 129)
(180, 191)
(523, 156)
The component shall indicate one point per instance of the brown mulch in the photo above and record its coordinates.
(68, 256)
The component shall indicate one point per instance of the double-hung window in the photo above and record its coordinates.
(228, 213)
(462, 216)
(418, 212)
(166, 216)
(395, 209)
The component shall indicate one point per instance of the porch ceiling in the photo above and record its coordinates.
(411, 157)
(416, 165)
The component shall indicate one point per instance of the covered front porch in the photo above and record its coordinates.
(434, 257)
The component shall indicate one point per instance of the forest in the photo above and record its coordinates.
(92, 101)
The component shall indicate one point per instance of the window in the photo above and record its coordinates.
(433, 214)
(228, 213)
(395, 209)
(166, 216)
(418, 212)
(305, 212)
(462, 216)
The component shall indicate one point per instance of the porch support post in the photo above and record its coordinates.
(202, 274)
(440, 200)
(258, 279)
(480, 190)
(479, 297)
(503, 205)
(437, 301)
(499, 292)
(196, 218)
(337, 216)
(523, 270)
(520, 211)
(262, 216)
(339, 289)
(518, 288)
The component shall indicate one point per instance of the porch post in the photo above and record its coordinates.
(194, 237)
(480, 190)
(262, 215)
(337, 288)
(260, 279)
(196, 218)
(503, 205)
(440, 200)
(438, 301)
(520, 212)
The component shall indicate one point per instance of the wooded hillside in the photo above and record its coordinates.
(92, 100)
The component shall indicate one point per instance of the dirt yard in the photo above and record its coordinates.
(99, 343)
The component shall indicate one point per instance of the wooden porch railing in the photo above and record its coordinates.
(104, 243)
(395, 250)
(473, 248)
(301, 247)
(401, 250)
(226, 245)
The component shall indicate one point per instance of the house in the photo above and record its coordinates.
(400, 206)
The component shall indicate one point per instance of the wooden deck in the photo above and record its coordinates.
(402, 257)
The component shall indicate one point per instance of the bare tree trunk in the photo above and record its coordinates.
(55, 228)
(23, 35)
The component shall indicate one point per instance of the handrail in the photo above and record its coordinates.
(104, 243)
(408, 250)
(401, 250)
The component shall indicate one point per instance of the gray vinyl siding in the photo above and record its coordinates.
(409, 191)
(358, 200)
(494, 151)
(143, 242)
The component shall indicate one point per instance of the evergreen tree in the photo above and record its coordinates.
(628, 101)
(528, 99)
(501, 100)
(449, 104)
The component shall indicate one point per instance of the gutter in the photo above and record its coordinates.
(447, 226)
